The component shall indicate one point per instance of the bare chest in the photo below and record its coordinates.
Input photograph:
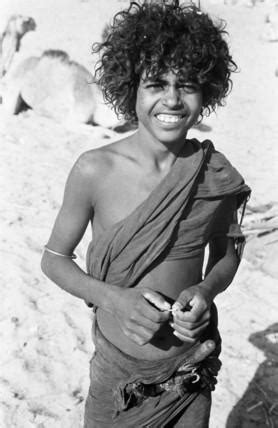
(118, 196)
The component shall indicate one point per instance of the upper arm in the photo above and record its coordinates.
(77, 208)
(225, 231)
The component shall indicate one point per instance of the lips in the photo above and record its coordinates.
(169, 118)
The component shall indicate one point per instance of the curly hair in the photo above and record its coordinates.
(153, 38)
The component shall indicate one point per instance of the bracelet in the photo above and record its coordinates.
(56, 253)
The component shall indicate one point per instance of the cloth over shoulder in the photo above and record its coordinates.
(124, 252)
(219, 178)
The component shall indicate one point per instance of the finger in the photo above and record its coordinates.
(182, 302)
(198, 305)
(184, 338)
(191, 318)
(148, 311)
(157, 300)
(192, 333)
(143, 314)
(138, 339)
(138, 330)
(202, 351)
(140, 335)
(139, 318)
(189, 325)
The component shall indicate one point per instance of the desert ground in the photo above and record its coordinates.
(45, 334)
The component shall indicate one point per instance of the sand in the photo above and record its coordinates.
(45, 333)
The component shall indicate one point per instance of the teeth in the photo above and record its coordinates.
(168, 118)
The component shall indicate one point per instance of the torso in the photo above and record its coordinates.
(120, 188)
(168, 278)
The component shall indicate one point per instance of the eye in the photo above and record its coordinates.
(190, 87)
(155, 85)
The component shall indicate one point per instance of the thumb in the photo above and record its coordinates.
(182, 301)
(202, 351)
(157, 300)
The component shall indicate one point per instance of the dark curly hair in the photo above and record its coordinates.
(155, 37)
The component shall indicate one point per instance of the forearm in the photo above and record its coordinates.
(220, 275)
(71, 278)
(138, 319)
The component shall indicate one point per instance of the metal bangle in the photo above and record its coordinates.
(56, 253)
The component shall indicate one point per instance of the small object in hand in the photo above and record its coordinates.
(175, 309)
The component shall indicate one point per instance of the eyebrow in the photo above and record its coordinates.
(154, 80)
(165, 81)
(162, 80)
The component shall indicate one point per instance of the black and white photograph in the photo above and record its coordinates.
(139, 213)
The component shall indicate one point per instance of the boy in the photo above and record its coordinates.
(155, 200)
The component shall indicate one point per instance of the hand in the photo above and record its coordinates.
(140, 313)
(191, 313)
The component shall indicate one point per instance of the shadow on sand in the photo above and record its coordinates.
(258, 407)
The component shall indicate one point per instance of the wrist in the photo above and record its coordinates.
(101, 295)
(206, 290)
(112, 298)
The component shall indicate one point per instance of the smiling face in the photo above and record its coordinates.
(167, 107)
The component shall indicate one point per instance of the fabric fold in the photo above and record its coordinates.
(119, 392)
(124, 252)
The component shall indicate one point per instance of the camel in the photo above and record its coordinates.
(55, 86)
(10, 40)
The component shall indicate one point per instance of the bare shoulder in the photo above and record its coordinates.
(92, 163)
(97, 165)
(96, 161)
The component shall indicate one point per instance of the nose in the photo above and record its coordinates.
(172, 98)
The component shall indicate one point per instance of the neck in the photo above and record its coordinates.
(157, 155)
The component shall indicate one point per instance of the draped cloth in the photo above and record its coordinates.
(117, 396)
(123, 253)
